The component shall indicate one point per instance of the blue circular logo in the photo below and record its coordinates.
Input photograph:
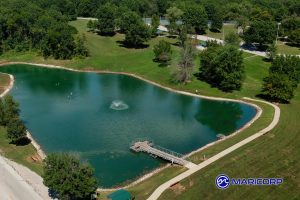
(222, 181)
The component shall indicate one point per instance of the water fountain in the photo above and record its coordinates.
(118, 105)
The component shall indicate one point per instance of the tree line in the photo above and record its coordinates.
(27, 26)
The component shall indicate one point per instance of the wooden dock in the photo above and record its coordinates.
(156, 151)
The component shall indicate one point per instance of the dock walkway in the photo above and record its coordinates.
(148, 147)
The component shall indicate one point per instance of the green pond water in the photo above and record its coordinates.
(73, 112)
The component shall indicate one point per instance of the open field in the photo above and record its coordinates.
(273, 155)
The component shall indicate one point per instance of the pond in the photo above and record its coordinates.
(97, 116)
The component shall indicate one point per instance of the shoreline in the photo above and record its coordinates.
(156, 170)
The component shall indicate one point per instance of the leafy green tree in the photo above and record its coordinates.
(288, 65)
(241, 23)
(195, 17)
(294, 37)
(223, 67)
(185, 69)
(290, 24)
(217, 20)
(137, 34)
(106, 15)
(11, 109)
(128, 19)
(271, 51)
(261, 32)
(91, 25)
(80, 48)
(232, 38)
(173, 15)
(182, 35)
(278, 87)
(16, 130)
(154, 24)
(162, 52)
(68, 177)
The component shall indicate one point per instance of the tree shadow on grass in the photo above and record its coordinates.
(23, 141)
(161, 64)
(106, 34)
(130, 46)
(215, 30)
(272, 100)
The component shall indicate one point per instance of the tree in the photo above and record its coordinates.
(288, 65)
(127, 19)
(185, 69)
(11, 109)
(80, 48)
(278, 87)
(68, 177)
(261, 32)
(283, 79)
(173, 15)
(271, 51)
(294, 37)
(241, 23)
(154, 24)
(223, 67)
(106, 15)
(290, 24)
(162, 52)
(91, 25)
(195, 17)
(217, 20)
(137, 34)
(16, 130)
(182, 35)
(232, 39)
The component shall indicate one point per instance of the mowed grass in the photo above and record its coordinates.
(227, 28)
(259, 158)
(19, 154)
(275, 154)
(4, 82)
(283, 48)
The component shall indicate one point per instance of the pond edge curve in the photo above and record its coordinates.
(155, 171)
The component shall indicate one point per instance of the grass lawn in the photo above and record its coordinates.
(227, 28)
(19, 154)
(286, 49)
(4, 82)
(275, 154)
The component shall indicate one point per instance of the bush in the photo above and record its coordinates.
(162, 52)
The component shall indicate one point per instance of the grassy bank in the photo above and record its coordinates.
(276, 154)
(20, 154)
(24, 155)
(4, 82)
(259, 158)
